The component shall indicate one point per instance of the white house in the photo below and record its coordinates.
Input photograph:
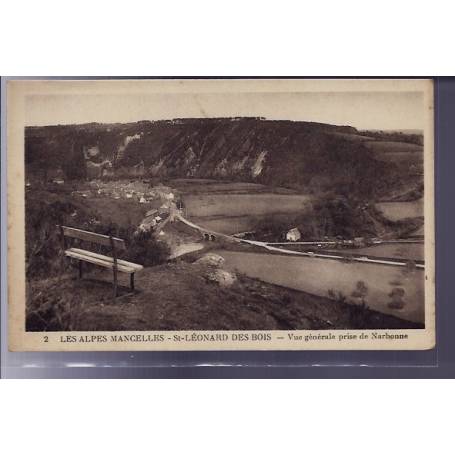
(293, 235)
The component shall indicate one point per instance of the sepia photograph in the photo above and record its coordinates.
(230, 211)
(243, 212)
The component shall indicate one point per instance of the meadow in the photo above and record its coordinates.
(244, 204)
(395, 211)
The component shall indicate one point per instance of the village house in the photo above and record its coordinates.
(293, 235)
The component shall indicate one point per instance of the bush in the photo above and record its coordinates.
(338, 296)
(44, 211)
(147, 250)
(49, 311)
(141, 247)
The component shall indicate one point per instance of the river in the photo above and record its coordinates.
(398, 291)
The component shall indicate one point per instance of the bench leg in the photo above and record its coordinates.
(80, 269)
(115, 283)
(132, 281)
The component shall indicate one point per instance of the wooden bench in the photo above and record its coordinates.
(83, 255)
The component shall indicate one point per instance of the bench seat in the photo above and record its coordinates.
(103, 261)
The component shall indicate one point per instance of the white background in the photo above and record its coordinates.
(226, 38)
(226, 417)
(236, 37)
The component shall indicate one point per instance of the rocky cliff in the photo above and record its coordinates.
(303, 155)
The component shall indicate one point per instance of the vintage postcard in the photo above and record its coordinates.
(220, 214)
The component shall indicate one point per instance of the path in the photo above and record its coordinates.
(269, 247)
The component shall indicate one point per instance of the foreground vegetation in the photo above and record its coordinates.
(45, 210)
(178, 296)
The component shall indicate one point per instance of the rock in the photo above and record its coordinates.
(212, 259)
(222, 277)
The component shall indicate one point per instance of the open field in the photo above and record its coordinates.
(242, 223)
(395, 211)
(232, 207)
(228, 225)
(244, 204)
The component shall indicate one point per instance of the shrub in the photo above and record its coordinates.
(338, 296)
(44, 211)
(49, 311)
(147, 250)
(360, 292)
(141, 247)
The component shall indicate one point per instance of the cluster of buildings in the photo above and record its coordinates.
(138, 191)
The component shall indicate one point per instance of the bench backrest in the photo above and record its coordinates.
(93, 237)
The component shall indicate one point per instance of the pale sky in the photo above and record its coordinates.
(363, 110)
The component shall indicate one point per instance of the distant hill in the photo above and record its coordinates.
(407, 136)
(302, 155)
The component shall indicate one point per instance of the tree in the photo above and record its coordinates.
(360, 292)
(74, 165)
